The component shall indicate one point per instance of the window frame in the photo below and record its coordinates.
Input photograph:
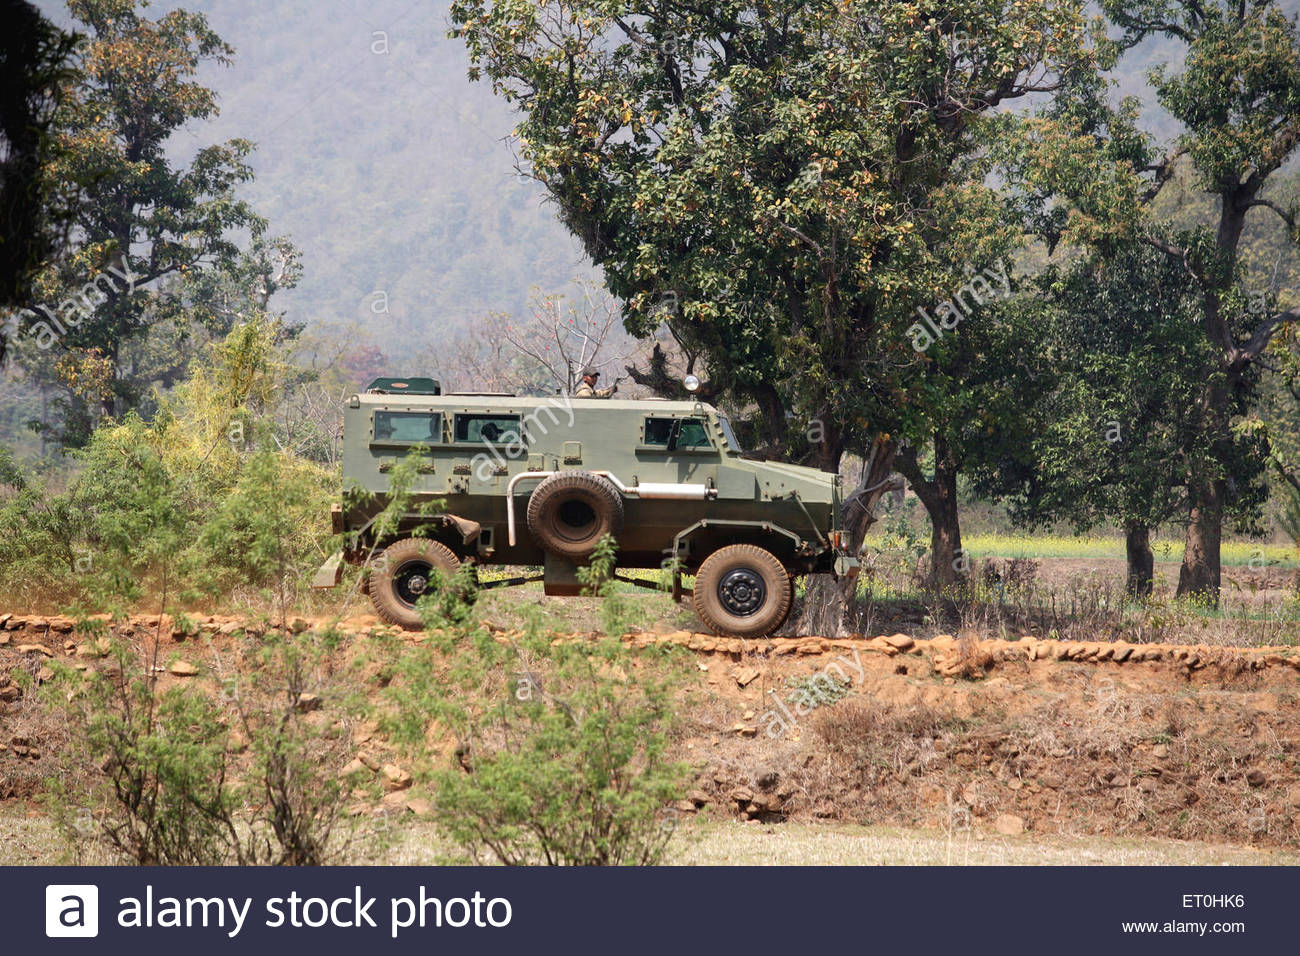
(520, 430)
(709, 448)
(394, 442)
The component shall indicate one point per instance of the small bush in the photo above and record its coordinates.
(173, 786)
(540, 752)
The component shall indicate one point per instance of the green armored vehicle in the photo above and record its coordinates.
(538, 481)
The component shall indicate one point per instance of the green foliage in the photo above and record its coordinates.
(1115, 433)
(163, 755)
(541, 751)
(198, 501)
(33, 67)
(244, 540)
(105, 337)
(817, 690)
(1085, 172)
(173, 788)
(786, 214)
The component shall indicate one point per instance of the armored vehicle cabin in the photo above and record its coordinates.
(538, 481)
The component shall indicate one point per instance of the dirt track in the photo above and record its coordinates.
(999, 736)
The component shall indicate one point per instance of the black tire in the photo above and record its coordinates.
(400, 574)
(572, 510)
(742, 591)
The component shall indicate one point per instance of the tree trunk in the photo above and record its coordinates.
(1199, 575)
(948, 562)
(828, 603)
(1141, 562)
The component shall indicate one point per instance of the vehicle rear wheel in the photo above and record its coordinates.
(572, 510)
(402, 573)
(742, 591)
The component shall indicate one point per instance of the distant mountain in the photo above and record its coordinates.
(390, 169)
(382, 162)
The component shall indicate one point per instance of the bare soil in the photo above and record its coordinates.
(957, 736)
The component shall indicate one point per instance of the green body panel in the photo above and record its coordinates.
(472, 454)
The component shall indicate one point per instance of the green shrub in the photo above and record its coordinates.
(540, 751)
(191, 777)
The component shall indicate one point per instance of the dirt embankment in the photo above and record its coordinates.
(956, 734)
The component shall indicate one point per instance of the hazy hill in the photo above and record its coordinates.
(388, 169)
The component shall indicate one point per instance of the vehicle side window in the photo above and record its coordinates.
(690, 432)
(413, 427)
(658, 430)
(497, 429)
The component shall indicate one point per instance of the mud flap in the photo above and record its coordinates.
(330, 572)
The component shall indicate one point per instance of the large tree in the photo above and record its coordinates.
(34, 57)
(1237, 101)
(780, 179)
(1114, 433)
(140, 223)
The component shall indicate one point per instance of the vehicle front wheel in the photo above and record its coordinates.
(742, 591)
(402, 573)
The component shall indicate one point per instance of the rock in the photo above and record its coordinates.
(307, 703)
(61, 625)
(1008, 824)
(747, 675)
(44, 675)
(1160, 751)
(699, 798)
(394, 802)
(34, 649)
(355, 766)
(369, 760)
(684, 806)
(419, 806)
(183, 669)
(1256, 777)
(395, 778)
(899, 642)
(230, 627)
(769, 802)
(298, 625)
(741, 794)
(4, 639)
(1147, 784)
(10, 694)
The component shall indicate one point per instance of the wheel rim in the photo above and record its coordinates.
(742, 591)
(411, 580)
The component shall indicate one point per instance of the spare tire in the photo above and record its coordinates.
(572, 510)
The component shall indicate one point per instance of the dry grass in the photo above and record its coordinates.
(31, 841)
